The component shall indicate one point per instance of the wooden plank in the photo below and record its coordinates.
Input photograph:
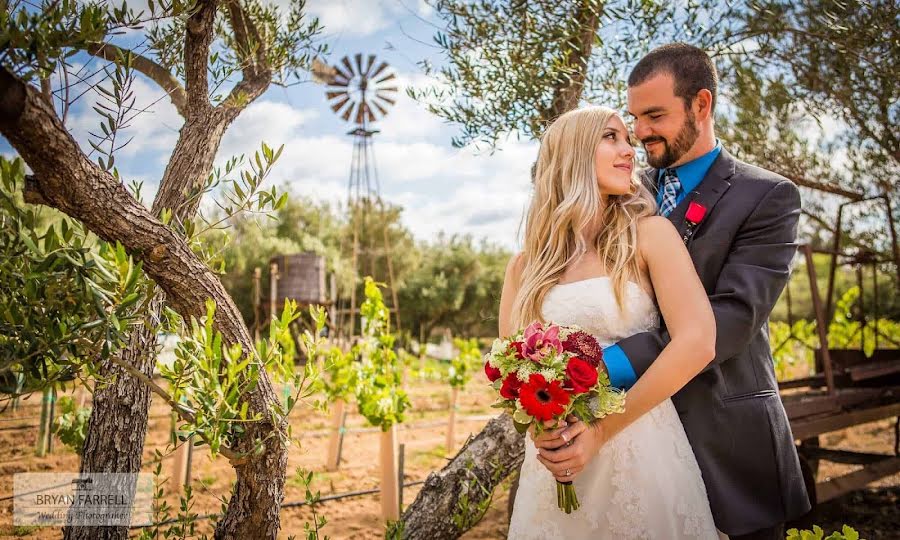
(805, 428)
(856, 480)
(846, 457)
(872, 370)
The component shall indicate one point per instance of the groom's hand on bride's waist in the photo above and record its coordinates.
(567, 450)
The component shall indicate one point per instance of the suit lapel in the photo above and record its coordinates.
(708, 192)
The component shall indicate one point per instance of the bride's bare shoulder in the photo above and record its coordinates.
(652, 231)
(514, 267)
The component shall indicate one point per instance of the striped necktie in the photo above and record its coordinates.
(670, 188)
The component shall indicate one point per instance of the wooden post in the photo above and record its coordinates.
(451, 426)
(390, 495)
(337, 436)
(50, 420)
(273, 291)
(257, 277)
(44, 427)
(180, 466)
(400, 475)
(332, 313)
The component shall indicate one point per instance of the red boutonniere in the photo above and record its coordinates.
(695, 214)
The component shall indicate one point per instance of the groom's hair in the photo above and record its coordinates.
(690, 66)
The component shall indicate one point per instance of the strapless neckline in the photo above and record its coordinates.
(605, 278)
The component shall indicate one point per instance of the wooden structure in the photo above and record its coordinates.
(848, 388)
(299, 277)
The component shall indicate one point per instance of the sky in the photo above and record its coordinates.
(441, 188)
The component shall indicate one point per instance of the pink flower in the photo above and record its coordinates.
(540, 342)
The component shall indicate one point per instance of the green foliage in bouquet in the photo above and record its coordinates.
(462, 364)
(379, 393)
(846, 533)
(71, 424)
(602, 400)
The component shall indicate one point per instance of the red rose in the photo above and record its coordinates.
(695, 213)
(511, 386)
(582, 375)
(543, 400)
(518, 346)
(492, 373)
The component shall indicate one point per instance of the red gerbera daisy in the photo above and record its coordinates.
(541, 399)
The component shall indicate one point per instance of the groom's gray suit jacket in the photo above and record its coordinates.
(732, 413)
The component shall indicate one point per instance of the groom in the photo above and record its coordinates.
(741, 234)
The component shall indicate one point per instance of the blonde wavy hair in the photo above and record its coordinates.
(566, 200)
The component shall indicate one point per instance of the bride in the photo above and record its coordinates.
(596, 256)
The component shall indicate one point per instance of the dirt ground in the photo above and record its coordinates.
(874, 512)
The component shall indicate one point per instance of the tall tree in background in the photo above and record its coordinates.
(512, 67)
(838, 61)
(194, 51)
(838, 58)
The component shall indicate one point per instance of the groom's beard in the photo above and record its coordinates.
(683, 142)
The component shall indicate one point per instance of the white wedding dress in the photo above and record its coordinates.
(644, 483)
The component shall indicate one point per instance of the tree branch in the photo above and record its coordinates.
(257, 73)
(569, 89)
(155, 72)
(198, 38)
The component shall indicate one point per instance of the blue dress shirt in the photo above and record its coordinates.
(621, 374)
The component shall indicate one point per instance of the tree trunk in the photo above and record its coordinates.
(118, 424)
(480, 466)
(568, 90)
(114, 442)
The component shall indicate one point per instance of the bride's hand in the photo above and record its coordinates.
(551, 433)
(582, 442)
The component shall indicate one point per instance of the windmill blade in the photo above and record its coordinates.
(339, 80)
(336, 106)
(343, 74)
(385, 98)
(332, 95)
(369, 64)
(346, 61)
(360, 112)
(369, 113)
(379, 70)
(381, 109)
(358, 58)
(386, 78)
(347, 113)
(388, 89)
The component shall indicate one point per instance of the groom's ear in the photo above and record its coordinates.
(703, 103)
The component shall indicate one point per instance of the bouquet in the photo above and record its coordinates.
(547, 373)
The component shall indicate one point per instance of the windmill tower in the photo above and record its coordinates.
(361, 93)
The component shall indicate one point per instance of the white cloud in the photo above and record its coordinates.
(354, 17)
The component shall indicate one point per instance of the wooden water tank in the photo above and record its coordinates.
(301, 277)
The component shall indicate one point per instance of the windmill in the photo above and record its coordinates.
(361, 92)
